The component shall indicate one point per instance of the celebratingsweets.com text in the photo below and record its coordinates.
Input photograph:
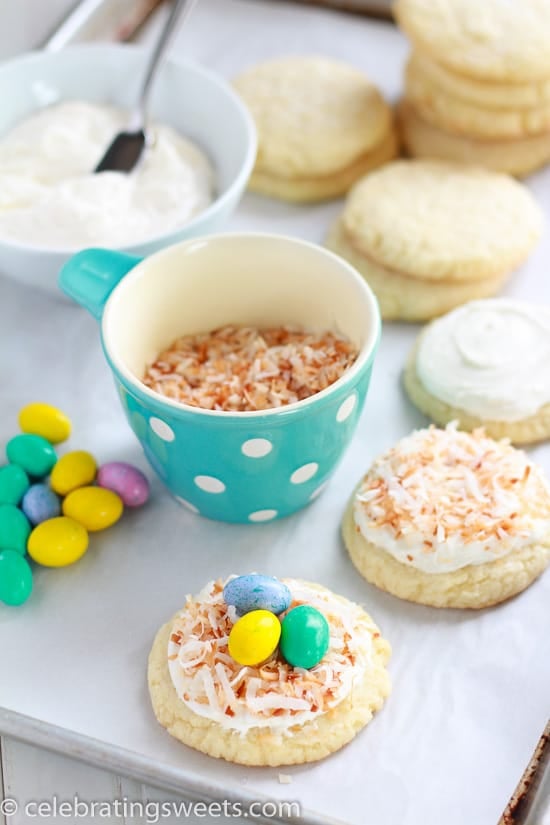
(151, 811)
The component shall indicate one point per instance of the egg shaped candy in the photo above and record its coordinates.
(45, 420)
(75, 469)
(93, 507)
(126, 481)
(14, 529)
(256, 592)
(40, 503)
(57, 542)
(254, 637)
(15, 578)
(33, 453)
(305, 636)
(14, 483)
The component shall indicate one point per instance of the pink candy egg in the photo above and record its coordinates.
(125, 480)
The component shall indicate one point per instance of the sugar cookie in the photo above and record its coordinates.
(487, 94)
(519, 157)
(418, 261)
(321, 125)
(487, 364)
(492, 40)
(271, 713)
(463, 117)
(450, 519)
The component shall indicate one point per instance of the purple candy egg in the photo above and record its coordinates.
(125, 480)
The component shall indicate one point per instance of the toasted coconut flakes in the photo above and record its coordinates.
(213, 681)
(455, 487)
(238, 369)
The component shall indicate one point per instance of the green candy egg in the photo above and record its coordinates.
(14, 483)
(33, 453)
(305, 636)
(14, 529)
(15, 578)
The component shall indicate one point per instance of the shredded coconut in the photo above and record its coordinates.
(238, 369)
(274, 693)
(461, 497)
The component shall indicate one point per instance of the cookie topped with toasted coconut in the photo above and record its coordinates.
(216, 686)
(451, 518)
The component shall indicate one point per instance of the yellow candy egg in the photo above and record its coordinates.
(45, 420)
(254, 637)
(75, 469)
(57, 542)
(93, 507)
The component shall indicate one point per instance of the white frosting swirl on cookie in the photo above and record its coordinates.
(274, 695)
(441, 500)
(489, 358)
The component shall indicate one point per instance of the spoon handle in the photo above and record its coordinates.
(179, 11)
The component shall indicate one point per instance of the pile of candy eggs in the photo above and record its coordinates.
(302, 636)
(50, 519)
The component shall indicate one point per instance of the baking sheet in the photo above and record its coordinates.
(471, 690)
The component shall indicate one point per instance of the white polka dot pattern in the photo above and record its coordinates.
(262, 515)
(304, 473)
(209, 484)
(162, 429)
(346, 408)
(256, 447)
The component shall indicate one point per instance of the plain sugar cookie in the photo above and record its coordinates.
(402, 298)
(428, 236)
(501, 40)
(321, 124)
(271, 713)
(489, 95)
(463, 117)
(450, 519)
(519, 157)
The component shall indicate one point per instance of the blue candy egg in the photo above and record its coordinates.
(40, 503)
(255, 592)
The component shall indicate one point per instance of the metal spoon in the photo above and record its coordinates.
(126, 148)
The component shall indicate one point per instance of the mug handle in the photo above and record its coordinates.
(90, 276)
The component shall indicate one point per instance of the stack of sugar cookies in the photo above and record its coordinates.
(477, 85)
(321, 126)
(428, 236)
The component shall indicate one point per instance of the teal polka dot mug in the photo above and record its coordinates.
(243, 467)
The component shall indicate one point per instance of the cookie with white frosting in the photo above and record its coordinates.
(487, 364)
(450, 519)
(271, 713)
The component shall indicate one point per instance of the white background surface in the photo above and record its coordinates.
(470, 694)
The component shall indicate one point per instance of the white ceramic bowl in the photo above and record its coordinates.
(194, 101)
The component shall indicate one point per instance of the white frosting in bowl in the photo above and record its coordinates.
(489, 358)
(49, 196)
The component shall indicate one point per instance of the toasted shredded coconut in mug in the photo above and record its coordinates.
(241, 369)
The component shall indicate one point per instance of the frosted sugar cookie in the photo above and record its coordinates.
(321, 126)
(486, 364)
(493, 40)
(221, 678)
(450, 519)
(468, 230)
